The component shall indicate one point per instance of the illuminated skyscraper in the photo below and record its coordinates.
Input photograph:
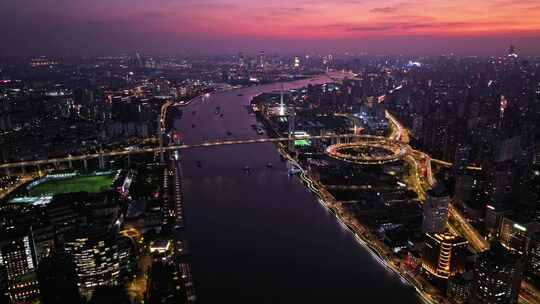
(444, 254)
(18, 256)
(261, 60)
(17, 253)
(96, 260)
(516, 233)
(296, 63)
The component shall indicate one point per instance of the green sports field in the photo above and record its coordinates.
(91, 184)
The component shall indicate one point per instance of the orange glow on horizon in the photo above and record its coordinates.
(217, 25)
(349, 19)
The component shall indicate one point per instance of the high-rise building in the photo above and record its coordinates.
(111, 294)
(497, 277)
(493, 218)
(58, 280)
(459, 287)
(461, 158)
(126, 258)
(516, 233)
(96, 258)
(4, 287)
(512, 52)
(24, 289)
(241, 60)
(511, 169)
(296, 63)
(17, 253)
(444, 254)
(83, 96)
(435, 214)
(163, 284)
(261, 59)
(5, 114)
(534, 255)
(465, 188)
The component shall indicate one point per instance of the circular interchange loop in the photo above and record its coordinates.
(374, 145)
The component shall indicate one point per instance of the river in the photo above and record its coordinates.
(262, 237)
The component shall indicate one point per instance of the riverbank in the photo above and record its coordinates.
(362, 234)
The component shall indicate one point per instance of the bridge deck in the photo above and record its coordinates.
(175, 147)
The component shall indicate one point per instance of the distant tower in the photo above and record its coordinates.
(296, 63)
(512, 52)
(241, 59)
(503, 104)
(281, 103)
(261, 59)
(139, 60)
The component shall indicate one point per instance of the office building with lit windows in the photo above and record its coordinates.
(493, 218)
(459, 287)
(19, 260)
(497, 277)
(435, 214)
(96, 258)
(516, 234)
(444, 255)
(17, 253)
(534, 255)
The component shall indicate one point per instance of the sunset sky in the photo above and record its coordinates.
(178, 26)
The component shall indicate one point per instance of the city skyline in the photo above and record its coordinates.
(217, 26)
(299, 151)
